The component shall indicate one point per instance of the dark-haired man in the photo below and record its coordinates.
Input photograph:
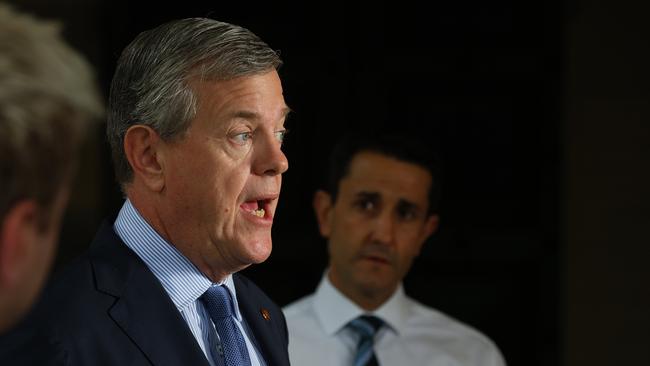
(380, 208)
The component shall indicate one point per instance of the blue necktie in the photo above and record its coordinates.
(366, 326)
(219, 305)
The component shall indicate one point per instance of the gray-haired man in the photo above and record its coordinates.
(196, 116)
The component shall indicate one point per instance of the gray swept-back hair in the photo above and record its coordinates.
(152, 82)
(48, 96)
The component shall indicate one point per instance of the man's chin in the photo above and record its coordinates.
(259, 250)
(379, 278)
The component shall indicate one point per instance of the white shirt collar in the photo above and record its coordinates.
(334, 310)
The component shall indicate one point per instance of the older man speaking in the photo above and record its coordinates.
(196, 116)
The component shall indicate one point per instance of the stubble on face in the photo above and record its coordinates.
(373, 241)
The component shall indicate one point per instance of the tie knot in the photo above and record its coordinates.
(218, 302)
(366, 325)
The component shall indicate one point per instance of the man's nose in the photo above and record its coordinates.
(384, 228)
(269, 159)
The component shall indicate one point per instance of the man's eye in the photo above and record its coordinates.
(280, 135)
(242, 138)
(366, 205)
(407, 214)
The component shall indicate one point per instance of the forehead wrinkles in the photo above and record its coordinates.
(214, 96)
(251, 98)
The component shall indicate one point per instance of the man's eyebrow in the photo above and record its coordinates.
(367, 195)
(404, 203)
(244, 114)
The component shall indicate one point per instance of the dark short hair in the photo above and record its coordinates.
(406, 148)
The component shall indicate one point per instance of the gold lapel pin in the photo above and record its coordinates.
(265, 314)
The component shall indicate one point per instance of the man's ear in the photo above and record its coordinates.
(18, 234)
(323, 208)
(430, 226)
(141, 147)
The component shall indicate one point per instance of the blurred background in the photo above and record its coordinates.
(539, 110)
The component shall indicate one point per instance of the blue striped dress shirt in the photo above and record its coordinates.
(183, 282)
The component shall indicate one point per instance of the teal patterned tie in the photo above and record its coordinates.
(366, 326)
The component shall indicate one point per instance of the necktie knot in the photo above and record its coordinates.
(366, 325)
(218, 302)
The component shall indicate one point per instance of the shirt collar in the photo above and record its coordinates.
(334, 310)
(180, 278)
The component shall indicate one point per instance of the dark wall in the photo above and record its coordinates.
(482, 81)
(606, 184)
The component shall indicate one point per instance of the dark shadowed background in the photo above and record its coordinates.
(539, 110)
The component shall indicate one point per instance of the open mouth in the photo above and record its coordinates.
(257, 208)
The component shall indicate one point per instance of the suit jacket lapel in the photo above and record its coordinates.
(265, 331)
(143, 310)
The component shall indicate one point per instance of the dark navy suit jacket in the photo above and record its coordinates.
(108, 308)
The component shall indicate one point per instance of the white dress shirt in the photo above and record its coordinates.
(414, 335)
(182, 281)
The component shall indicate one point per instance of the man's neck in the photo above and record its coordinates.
(156, 219)
(369, 299)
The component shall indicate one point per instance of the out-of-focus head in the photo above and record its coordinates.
(380, 207)
(48, 96)
(404, 147)
(196, 122)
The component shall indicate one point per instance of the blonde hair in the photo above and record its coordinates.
(48, 95)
